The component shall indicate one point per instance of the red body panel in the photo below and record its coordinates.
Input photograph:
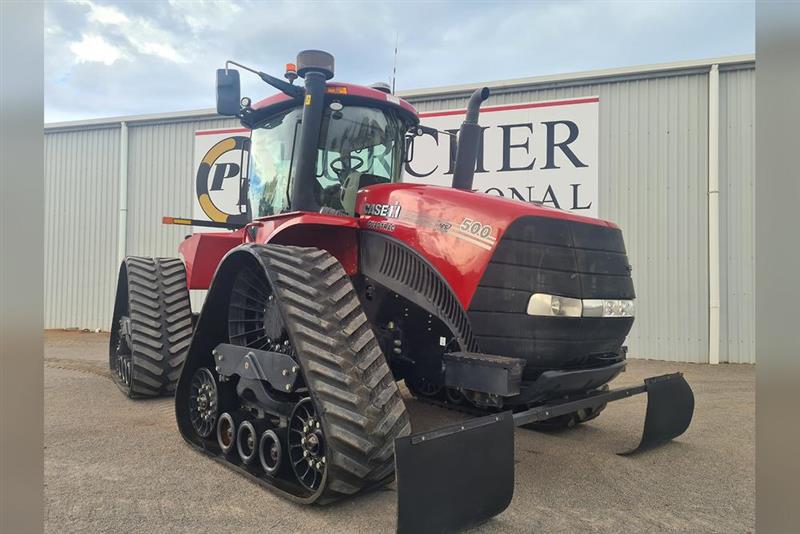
(456, 231)
(203, 251)
(335, 233)
(430, 219)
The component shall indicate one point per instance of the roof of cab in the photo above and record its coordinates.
(350, 90)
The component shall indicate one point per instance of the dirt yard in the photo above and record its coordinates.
(115, 465)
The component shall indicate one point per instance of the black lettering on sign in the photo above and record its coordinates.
(550, 196)
(422, 174)
(575, 205)
(221, 172)
(507, 146)
(563, 145)
(453, 146)
(499, 192)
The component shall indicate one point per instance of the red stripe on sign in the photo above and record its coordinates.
(215, 132)
(512, 107)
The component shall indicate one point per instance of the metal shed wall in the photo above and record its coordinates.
(161, 182)
(737, 216)
(80, 240)
(653, 183)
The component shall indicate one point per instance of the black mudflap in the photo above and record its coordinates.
(670, 406)
(455, 476)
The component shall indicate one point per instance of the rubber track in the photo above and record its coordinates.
(161, 323)
(353, 390)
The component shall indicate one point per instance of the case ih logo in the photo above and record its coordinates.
(219, 157)
(391, 211)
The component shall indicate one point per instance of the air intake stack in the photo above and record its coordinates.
(469, 137)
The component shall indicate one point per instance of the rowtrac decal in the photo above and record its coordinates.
(381, 225)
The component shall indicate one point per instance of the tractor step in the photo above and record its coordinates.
(479, 454)
(486, 373)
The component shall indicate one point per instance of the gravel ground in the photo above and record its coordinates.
(114, 465)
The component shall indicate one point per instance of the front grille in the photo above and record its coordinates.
(558, 257)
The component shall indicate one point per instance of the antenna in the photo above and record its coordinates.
(394, 66)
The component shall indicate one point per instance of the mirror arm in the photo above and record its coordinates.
(286, 88)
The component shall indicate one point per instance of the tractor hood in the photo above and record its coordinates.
(458, 231)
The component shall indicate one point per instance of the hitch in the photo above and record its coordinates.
(478, 455)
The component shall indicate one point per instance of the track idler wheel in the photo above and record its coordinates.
(226, 432)
(307, 445)
(270, 452)
(203, 402)
(423, 388)
(454, 396)
(247, 442)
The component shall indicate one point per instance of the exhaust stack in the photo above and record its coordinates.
(316, 68)
(469, 137)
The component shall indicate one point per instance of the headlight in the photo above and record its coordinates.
(557, 306)
(608, 308)
(553, 305)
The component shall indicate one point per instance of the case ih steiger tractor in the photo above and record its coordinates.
(340, 280)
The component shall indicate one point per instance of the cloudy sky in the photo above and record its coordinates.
(118, 58)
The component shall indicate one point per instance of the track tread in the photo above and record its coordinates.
(161, 323)
(344, 369)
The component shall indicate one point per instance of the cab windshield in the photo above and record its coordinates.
(359, 146)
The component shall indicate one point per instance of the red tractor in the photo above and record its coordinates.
(340, 280)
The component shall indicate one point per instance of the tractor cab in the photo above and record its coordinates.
(359, 145)
(313, 148)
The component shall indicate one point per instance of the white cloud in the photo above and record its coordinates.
(162, 50)
(106, 14)
(102, 14)
(200, 16)
(93, 48)
(142, 36)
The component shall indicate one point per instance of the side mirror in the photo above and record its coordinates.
(228, 92)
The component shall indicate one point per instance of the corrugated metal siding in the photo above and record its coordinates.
(737, 217)
(81, 211)
(161, 182)
(80, 243)
(653, 183)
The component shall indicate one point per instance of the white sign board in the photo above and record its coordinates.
(219, 157)
(536, 152)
